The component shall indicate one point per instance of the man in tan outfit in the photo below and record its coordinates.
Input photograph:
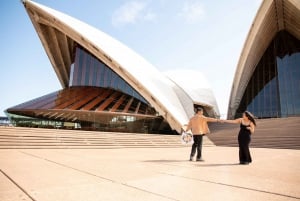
(198, 126)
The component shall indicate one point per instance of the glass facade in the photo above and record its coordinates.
(274, 88)
(87, 70)
(289, 84)
(97, 99)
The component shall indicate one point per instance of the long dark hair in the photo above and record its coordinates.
(250, 117)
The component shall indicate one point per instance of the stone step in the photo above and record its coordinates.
(18, 137)
(269, 133)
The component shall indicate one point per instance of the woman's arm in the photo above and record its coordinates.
(235, 121)
(251, 128)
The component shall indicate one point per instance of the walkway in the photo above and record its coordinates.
(147, 174)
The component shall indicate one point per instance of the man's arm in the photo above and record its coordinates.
(208, 119)
(189, 126)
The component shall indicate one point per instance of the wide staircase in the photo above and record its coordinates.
(270, 133)
(39, 138)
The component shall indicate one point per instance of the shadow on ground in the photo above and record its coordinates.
(200, 163)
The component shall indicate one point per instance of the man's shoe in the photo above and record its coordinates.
(199, 159)
(191, 158)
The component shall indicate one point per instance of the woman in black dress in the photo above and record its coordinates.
(247, 127)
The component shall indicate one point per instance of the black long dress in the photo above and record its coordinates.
(244, 139)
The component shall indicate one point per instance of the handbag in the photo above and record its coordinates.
(187, 138)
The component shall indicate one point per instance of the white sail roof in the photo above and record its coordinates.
(62, 31)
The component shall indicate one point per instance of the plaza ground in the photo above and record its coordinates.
(148, 174)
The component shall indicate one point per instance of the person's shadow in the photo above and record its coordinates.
(216, 164)
(164, 161)
(201, 164)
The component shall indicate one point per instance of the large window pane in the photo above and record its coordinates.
(89, 71)
(274, 88)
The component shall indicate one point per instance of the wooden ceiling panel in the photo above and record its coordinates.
(79, 103)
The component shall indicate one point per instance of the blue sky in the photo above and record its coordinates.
(202, 35)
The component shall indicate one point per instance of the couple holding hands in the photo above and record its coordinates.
(198, 126)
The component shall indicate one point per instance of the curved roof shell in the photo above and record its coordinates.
(59, 34)
(197, 90)
(273, 16)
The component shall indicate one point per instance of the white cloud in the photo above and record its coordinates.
(192, 12)
(131, 12)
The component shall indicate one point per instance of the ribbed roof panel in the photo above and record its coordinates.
(273, 16)
(56, 30)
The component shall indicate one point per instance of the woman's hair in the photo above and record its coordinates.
(250, 117)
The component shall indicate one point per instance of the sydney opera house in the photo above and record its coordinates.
(267, 78)
(105, 85)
